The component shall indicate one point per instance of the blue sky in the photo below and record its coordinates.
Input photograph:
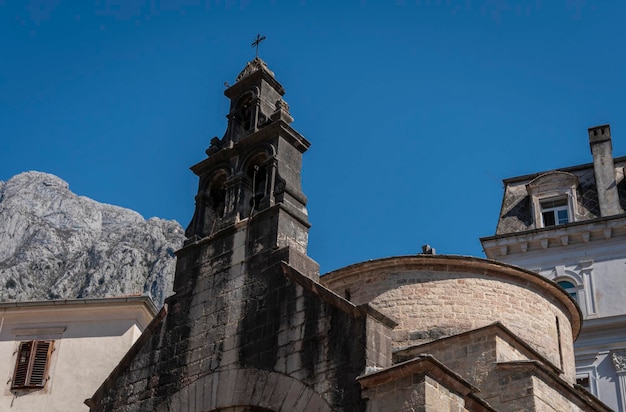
(415, 109)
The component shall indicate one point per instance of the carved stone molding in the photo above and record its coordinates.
(619, 361)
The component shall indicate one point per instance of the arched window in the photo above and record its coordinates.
(217, 195)
(258, 175)
(570, 288)
(244, 112)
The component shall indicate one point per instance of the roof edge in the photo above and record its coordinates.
(469, 265)
(498, 329)
(119, 300)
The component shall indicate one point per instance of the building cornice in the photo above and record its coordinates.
(601, 334)
(67, 303)
(570, 234)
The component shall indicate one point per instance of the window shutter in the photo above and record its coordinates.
(40, 355)
(21, 367)
(31, 368)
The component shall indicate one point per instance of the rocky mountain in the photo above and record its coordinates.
(55, 244)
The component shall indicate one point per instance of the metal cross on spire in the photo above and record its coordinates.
(258, 39)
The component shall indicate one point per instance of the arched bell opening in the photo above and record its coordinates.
(257, 183)
(217, 194)
(210, 205)
(243, 113)
(258, 177)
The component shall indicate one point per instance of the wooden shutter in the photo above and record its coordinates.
(40, 355)
(31, 368)
(21, 366)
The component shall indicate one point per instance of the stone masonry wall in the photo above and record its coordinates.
(430, 304)
(547, 399)
(378, 347)
(474, 356)
(234, 317)
(471, 357)
(417, 392)
(523, 391)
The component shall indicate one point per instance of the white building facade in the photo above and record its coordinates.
(569, 226)
(54, 354)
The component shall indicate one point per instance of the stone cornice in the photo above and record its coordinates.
(278, 128)
(575, 233)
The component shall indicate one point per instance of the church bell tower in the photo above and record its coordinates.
(252, 174)
(250, 212)
(249, 327)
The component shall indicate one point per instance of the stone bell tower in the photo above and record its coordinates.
(252, 174)
(249, 327)
(250, 216)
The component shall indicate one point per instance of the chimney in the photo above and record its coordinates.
(604, 170)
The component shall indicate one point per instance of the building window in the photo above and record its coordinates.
(583, 380)
(553, 198)
(569, 287)
(31, 366)
(554, 212)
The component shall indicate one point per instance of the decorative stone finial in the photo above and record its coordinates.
(282, 112)
(282, 105)
(253, 66)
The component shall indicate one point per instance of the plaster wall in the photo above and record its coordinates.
(88, 344)
(603, 380)
(598, 269)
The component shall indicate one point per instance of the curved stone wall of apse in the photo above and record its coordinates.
(434, 296)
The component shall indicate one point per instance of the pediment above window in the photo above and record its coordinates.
(552, 181)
